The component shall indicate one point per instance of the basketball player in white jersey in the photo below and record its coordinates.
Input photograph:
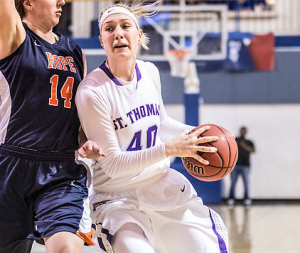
(139, 203)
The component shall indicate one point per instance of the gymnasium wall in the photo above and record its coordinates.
(268, 103)
(283, 19)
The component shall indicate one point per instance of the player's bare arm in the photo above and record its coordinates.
(84, 64)
(12, 32)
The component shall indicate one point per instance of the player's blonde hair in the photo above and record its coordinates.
(138, 9)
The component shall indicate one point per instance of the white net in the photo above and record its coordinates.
(179, 60)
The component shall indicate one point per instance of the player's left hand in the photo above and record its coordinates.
(90, 150)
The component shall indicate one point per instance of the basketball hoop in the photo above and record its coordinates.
(179, 60)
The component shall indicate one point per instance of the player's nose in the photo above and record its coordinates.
(118, 32)
(61, 2)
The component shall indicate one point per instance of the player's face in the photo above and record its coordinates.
(46, 12)
(120, 36)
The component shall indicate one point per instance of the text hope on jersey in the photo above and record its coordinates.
(60, 62)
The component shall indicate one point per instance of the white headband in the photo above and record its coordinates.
(117, 10)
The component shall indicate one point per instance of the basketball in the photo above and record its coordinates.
(221, 163)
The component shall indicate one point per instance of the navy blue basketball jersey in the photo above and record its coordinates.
(38, 83)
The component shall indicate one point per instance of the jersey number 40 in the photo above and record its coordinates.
(135, 143)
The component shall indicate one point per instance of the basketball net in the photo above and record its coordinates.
(191, 81)
(179, 60)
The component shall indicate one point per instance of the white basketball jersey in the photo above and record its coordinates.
(124, 119)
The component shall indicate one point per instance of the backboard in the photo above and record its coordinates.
(199, 28)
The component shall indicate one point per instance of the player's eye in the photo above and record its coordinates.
(108, 29)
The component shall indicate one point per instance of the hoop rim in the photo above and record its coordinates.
(179, 53)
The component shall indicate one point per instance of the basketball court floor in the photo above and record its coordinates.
(264, 227)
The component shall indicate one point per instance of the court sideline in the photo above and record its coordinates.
(268, 227)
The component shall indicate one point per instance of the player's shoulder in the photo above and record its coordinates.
(146, 65)
(97, 78)
(90, 86)
(68, 40)
(67, 43)
(95, 75)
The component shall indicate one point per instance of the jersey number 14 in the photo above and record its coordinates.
(66, 91)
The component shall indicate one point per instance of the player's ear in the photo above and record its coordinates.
(101, 41)
(27, 4)
(140, 35)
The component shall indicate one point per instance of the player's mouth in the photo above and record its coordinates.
(58, 13)
(121, 46)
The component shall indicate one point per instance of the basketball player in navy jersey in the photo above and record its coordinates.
(139, 202)
(43, 193)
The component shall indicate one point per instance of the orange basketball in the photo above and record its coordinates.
(221, 163)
